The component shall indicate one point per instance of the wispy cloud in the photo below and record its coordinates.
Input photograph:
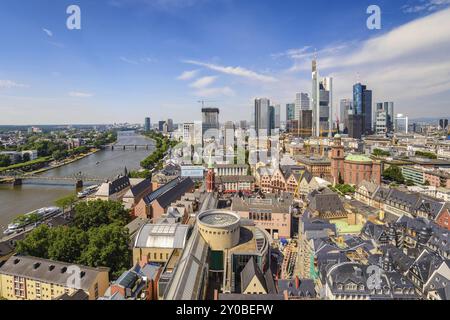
(137, 61)
(235, 71)
(425, 5)
(188, 75)
(48, 32)
(203, 82)
(79, 94)
(129, 61)
(10, 84)
(164, 5)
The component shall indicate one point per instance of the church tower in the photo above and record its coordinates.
(337, 160)
(210, 178)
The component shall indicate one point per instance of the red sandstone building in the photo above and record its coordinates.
(352, 169)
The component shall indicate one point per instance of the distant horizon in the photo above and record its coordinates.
(419, 119)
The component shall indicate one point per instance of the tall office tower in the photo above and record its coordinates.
(345, 106)
(302, 102)
(354, 125)
(262, 117)
(401, 123)
(443, 124)
(389, 108)
(243, 124)
(321, 102)
(362, 105)
(210, 122)
(147, 125)
(169, 125)
(381, 122)
(161, 126)
(305, 124)
(277, 116)
(290, 111)
(228, 138)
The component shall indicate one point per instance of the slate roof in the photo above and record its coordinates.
(325, 201)
(170, 192)
(305, 288)
(142, 186)
(48, 270)
(426, 264)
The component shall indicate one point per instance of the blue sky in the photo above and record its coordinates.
(158, 58)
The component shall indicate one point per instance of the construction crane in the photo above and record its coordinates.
(205, 101)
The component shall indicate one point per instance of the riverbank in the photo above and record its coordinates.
(64, 163)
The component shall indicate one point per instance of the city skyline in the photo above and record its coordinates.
(161, 59)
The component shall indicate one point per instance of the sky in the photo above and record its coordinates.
(158, 58)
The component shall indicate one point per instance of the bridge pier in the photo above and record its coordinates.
(112, 148)
(124, 148)
(17, 182)
(79, 184)
(146, 147)
(135, 147)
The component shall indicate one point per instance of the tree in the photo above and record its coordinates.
(94, 214)
(66, 202)
(67, 244)
(26, 157)
(36, 242)
(381, 153)
(108, 246)
(394, 173)
(5, 160)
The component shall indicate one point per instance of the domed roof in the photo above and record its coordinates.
(358, 158)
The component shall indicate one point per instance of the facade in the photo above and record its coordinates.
(262, 117)
(362, 105)
(155, 243)
(358, 168)
(318, 167)
(401, 124)
(355, 125)
(147, 125)
(210, 121)
(321, 103)
(302, 102)
(234, 184)
(346, 106)
(155, 204)
(290, 112)
(223, 170)
(30, 278)
(270, 213)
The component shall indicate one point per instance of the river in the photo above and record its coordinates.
(103, 164)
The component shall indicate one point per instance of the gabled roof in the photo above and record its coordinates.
(138, 189)
(169, 192)
(250, 271)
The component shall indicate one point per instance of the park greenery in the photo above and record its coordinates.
(427, 155)
(163, 144)
(343, 189)
(394, 174)
(380, 153)
(97, 237)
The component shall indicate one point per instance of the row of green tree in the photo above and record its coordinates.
(97, 238)
(162, 146)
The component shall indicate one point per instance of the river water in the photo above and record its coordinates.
(103, 164)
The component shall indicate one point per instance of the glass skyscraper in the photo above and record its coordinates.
(362, 105)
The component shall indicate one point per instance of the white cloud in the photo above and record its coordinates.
(235, 71)
(78, 94)
(129, 61)
(426, 5)
(408, 65)
(9, 84)
(48, 32)
(188, 75)
(203, 82)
